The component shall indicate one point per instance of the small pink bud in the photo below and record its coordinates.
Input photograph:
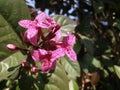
(12, 47)
(34, 69)
(25, 63)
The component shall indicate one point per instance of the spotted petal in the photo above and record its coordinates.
(56, 54)
(27, 23)
(71, 54)
(69, 40)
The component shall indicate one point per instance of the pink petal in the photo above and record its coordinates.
(57, 35)
(69, 40)
(27, 23)
(33, 40)
(45, 67)
(50, 20)
(56, 54)
(35, 55)
(42, 52)
(31, 33)
(44, 25)
(71, 54)
(45, 22)
(41, 17)
(32, 36)
(48, 66)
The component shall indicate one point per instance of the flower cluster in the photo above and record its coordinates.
(44, 35)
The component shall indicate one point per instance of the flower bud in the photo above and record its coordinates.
(25, 63)
(12, 47)
(34, 69)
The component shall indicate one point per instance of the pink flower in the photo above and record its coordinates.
(50, 59)
(47, 58)
(68, 42)
(32, 28)
(47, 46)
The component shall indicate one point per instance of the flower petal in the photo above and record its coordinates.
(41, 17)
(48, 23)
(42, 52)
(31, 33)
(71, 54)
(32, 36)
(48, 66)
(27, 23)
(57, 54)
(57, 35)
(35, 55)
(69, 40)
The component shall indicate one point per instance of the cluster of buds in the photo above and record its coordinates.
(43, 34)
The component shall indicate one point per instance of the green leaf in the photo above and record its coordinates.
(7, 35)
(84, 26)
(30, 81)
(13, 11)
(98, 6)
(58, 80)
(117, 70)
(67, 25)
(88, 44)
(89, 63)
(10, 65)
(73, 85)
(10, 13)
(96, 63)
(72, 68)
(102, 45)
(117, 24)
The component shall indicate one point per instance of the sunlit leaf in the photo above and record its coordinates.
(72, 68)
(117, 24)
(58, 80)
(10, 65)
(89, 63)
(96, 63)
(117, 70)
(73, 85)
(10, 13)
(67, 25)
